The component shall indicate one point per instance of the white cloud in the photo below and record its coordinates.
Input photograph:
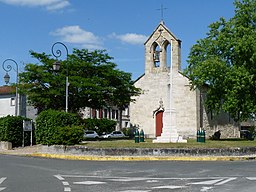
(74, 34)
(48, 4)
(131, 38)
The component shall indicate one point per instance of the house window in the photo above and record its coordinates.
(100, 113)
(12, 101)
(117, 114)
(105, 113)
(93, 113)
(113, 114)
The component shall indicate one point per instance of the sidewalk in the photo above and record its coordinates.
(73, 154)
(23, 151)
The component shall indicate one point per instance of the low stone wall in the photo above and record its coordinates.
(82, 150)
(4, 145)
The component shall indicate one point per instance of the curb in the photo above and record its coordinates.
(137, 154)
(143, 158)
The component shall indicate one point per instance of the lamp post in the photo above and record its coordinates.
(7, 67)
(56, 66)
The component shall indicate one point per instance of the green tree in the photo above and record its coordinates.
(123, 92)
(225, 62)
(94, 82)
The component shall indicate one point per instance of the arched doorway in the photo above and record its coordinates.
(159, 123)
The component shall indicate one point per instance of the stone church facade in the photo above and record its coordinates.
(168, 109)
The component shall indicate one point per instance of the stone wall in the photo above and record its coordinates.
(4, 145)
(221, 122)
(185, 105)
(83, 150)
(155, 89)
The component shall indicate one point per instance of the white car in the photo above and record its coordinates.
(114, 134)
(91, 135)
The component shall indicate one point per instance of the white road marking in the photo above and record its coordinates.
(226, 180)
(205, 189)
(2, 188)
(2, 180)
(152, 181)
(129, 179)
(134, 178)
(140, 178)
(169, 187)
(251, 178)
(197, 181)
(65, 183)
(89, 182)
(209, 182)
(136, 191)
(67, 189)
(59, 177)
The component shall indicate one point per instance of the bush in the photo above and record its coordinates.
(130, 132)
(56, 127)
(11, 130)
(68, 135)
(100, 125)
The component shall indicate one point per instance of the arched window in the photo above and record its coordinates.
(168, 53)
(156, 54)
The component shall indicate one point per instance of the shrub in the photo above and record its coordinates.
(51, 126)
(68, 135)
(100, 125)
(11, 130)
(129, 131)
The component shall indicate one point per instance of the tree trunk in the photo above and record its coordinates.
(120, 120)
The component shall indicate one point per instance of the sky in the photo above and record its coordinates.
(119, 26)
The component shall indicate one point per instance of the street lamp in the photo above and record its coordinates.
(7, 67)
(56, 66)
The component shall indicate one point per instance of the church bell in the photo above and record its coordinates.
(156, 56)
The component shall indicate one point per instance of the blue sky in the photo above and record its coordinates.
(119, 26)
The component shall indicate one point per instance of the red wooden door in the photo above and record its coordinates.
(159, 123)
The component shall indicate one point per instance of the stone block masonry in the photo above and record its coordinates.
(4, 145)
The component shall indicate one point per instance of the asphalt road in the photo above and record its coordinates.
(30, 174)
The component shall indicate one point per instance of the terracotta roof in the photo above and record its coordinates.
(7, 90)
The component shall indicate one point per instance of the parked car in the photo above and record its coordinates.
(91, 135)
(114, 134)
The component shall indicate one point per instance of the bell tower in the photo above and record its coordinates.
(163, 59)
(162, 51)
(163, 81)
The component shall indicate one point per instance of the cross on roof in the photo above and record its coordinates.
(162, 11)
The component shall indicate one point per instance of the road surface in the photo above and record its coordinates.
(29, 174)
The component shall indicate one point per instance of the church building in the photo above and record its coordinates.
(168, 110)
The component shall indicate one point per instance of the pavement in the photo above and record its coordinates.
(47, 152)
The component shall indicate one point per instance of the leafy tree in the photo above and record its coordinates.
(225, 62)
(123, 92)
(94, 82)
(100, 125)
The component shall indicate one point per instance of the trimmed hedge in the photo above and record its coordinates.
(11, 130)
(68, 135)
(58, 128)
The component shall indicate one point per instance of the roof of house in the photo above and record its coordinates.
(7, 90)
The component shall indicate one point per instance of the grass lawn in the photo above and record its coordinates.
(192, 143)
